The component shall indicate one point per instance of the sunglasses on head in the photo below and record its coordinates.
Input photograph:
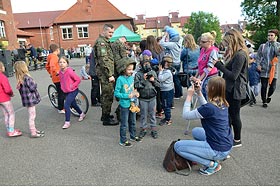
(204, 41)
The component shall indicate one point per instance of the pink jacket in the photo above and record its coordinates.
(5, 89)
(204, 59)
(69, 80)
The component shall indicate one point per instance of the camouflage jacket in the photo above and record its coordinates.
(119, 50)
(104, 57)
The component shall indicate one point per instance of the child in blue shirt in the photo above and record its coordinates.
(172, 33)
(254, 76)
(125, 92)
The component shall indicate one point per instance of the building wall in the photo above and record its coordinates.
(7, 17)
(41, 37)
(94, 29)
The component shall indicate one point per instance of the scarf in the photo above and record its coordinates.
(273, 63)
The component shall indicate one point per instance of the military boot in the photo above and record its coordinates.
(110, 121)
(104, 116)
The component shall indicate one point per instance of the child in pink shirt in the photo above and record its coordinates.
(6, 93)
(69, 82)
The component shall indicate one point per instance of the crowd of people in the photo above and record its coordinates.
(145, 80)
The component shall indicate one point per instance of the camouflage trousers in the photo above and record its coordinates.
(107, 96)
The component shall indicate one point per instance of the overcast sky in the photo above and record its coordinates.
(228, 11)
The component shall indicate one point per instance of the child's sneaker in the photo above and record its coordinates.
(169, 122)
(154, 134)
(136, 139)
(142, 133)
(66, 125)
(37, 135)
(82, 117)
(211, 170)
(159, 115)
(15, 133)
(61, 111)
(162, 122)
(125, 144)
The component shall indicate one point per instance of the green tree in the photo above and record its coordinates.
(261, 16)
(202, 22)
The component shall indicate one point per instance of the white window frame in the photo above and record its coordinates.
(51, 33)
(68, 33)
(82, 32)
(2, 29)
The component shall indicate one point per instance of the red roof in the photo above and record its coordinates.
(33, 19)
(184, 20)
(157, 22)
(24, 33)
(91, 10)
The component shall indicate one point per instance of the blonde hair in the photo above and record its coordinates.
(21, 70)
(1, 65)
(211, 36)
(190, 42)
(217, 91)
(234, 41)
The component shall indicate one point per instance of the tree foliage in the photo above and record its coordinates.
(202, 22)
(261, 16)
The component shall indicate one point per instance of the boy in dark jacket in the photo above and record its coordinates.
(254, 76)
(146, 82)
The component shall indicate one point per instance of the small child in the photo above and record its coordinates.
(124, 91)
(173, 34)
(84, 72)
(69, 84)
(146, 82)
(254, 76)
(167, 88)
(53, 69)
(6, 105)
(29, 95)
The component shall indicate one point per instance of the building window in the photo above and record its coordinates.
(82, 31)
(51, 33)
(67, 32)
(2, 30)
(1, 5)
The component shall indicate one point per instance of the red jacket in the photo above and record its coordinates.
(5, 89)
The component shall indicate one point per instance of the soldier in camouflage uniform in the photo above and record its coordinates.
(120, 52)
(105, 71)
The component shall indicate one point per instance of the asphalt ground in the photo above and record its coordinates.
(88, 153)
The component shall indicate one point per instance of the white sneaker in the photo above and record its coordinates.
(61, 111)
(66, 125)
(82, 117)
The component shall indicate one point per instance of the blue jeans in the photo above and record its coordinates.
(199, 150)
(71, 102)
(128, 118)
(166, 100)
(177, 83)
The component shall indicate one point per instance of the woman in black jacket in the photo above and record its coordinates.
(235, 72)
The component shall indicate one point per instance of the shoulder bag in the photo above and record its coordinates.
(174, 162)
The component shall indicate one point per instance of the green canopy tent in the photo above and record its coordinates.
(124, 31)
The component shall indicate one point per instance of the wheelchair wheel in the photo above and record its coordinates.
(52, 93)
(82, 102)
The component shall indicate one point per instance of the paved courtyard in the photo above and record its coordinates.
(88, 153)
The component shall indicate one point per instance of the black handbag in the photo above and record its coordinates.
(250, 96)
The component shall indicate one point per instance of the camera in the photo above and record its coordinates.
(149, 74)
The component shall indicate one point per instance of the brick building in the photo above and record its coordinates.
(8, 38)
(154, 25)
(81, 24)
